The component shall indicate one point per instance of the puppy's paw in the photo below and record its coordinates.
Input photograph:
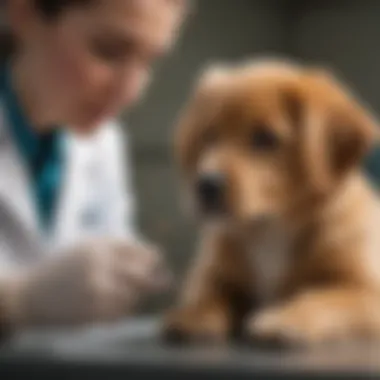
(195, 326)
(293, 326)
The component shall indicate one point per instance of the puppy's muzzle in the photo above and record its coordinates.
(210, 191)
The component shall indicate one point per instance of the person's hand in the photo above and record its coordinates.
(98, 281)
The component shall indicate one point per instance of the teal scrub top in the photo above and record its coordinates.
(42, 153)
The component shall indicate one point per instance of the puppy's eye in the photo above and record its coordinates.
(210, 137)
(263, 139)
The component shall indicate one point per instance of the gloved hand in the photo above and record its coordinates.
(95, 282)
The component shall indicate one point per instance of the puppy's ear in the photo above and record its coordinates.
(335, 130)
(197, 117)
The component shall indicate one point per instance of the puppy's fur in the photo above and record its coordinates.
(294, 255)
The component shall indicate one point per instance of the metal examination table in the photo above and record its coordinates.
(132, 350)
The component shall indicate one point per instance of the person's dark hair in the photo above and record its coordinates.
(48, 9)
(51, 9)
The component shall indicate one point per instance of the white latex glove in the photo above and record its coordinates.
(96, 282)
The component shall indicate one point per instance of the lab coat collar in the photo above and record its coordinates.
(14, 186)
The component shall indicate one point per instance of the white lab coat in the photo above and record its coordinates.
(95, 199)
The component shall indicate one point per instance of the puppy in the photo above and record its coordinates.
(270, 155)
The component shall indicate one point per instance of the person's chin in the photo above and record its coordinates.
(88, 126)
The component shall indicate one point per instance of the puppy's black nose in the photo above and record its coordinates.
(210, 190)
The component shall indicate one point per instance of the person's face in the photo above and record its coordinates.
(94, 60)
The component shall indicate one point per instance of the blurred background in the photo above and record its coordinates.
(341, 34)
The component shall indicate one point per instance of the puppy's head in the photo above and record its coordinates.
(255, 139)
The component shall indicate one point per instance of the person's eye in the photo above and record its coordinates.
(109, 50)
(263, 139)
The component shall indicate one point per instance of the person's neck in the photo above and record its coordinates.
(24, 84)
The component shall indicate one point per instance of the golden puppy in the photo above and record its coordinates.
(289, 251)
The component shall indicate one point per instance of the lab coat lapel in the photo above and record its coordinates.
(74, 192)
(16, 196)
(14, 184)
(15, 192)
(18, 214)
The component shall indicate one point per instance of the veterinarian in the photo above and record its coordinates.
(69, 253)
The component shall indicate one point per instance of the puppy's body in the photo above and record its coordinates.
(270, 255)
(297, 257)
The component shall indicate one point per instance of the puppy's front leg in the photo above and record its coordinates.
(216, 294)
(315, 317)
